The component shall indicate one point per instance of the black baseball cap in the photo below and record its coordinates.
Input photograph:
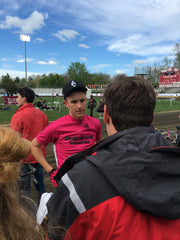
(73, 86)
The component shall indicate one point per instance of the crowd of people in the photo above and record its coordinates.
(124, 187)
(41, 104)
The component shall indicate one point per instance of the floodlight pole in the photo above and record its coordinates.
(25, 64)
(25, 38)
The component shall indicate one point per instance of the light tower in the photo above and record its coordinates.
(25, 38)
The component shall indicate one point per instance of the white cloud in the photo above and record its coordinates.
(134, 27)
(120, 72)
(82, 45)
(28, 26)
(5, 59)
(140, 45)
(139, 62)
(23, 60)
(83, 59)
(151, 60)
(66, 35)
(115, 22)
(39, 40)
(10, 5)
(143, 28)
(5, 66)
(50, 62)
(100, 66)
(14, 73)
(83, 38)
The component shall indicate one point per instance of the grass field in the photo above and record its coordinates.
(60, 110)
(167, 105)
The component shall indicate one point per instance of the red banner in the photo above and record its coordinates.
(9, 100)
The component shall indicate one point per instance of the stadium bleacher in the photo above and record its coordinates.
(48, 91)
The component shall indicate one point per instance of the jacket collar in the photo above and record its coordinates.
(26, 105)
(78, 157)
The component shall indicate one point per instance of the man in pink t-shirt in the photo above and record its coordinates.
(70, 134)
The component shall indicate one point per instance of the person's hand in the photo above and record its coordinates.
(52, 174)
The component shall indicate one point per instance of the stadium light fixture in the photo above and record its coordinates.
(25, 38)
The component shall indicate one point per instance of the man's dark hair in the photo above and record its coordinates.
(130, 102)
(28, 93)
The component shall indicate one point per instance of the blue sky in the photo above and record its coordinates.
(108, 36)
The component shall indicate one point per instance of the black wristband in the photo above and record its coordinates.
(51, 171)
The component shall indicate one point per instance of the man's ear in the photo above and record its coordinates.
(106, 115)
(65, 103)
(24, 99)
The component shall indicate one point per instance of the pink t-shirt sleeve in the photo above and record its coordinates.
(48, 135)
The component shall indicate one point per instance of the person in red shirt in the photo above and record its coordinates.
(29, 121)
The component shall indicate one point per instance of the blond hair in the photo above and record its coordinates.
(16, 222)
(12, 149)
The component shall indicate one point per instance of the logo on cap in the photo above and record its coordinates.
(73, 84)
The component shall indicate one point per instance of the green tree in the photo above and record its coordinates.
(31, 82)
(43, 82)
(99, 78)
(9, 85)
(177, 54)
(77, 71)
(59, 81)
(56, 80)
(23, 82)
(17, 80)
(53, 80)
(36, 80)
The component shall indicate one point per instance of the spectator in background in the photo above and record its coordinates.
(29, 121)
(69, 134)
(16, 221)
(129, 189)
(91, 105)
(38, 105)
(44, 106)
(100, 108)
